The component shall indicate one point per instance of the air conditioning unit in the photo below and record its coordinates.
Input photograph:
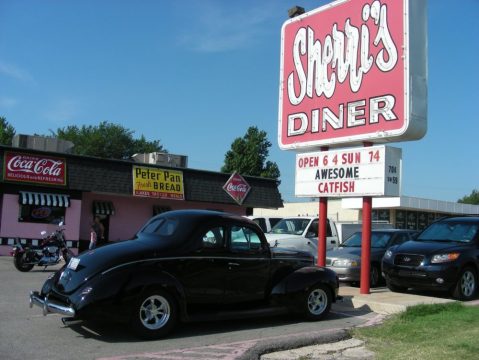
(43, 143)
(163, 159)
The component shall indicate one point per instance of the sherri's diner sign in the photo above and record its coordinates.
(31, 168)
(354, 71)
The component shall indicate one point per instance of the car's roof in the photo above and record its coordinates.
(389, 230)
(198, 213)
(471, 218)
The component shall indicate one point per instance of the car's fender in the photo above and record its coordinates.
(302, 279)
(127, 284)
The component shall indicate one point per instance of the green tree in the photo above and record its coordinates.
(473, 198)
(7, 132)
(107, 140)
(248, 156)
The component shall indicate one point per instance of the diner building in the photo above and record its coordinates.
(402, 212)
(42, 186)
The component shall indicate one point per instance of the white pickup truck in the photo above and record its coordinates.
(301, 233)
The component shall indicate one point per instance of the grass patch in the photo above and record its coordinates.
(439, 331)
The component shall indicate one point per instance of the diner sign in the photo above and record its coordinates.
(354, 72)
(158, 183)
(31, 168)
(366, 171)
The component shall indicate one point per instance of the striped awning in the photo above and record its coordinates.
(44, 199)
(103, 208)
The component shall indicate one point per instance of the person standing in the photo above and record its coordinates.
(93, 239)
(99, 230)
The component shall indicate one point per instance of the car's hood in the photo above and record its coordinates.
(353, 253)
(428, 247)
(272, 238)
(92, 262)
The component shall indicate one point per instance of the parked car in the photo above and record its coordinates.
(187, 265)
(301, 233)
(266, 223)
(345, 260)
(445, 257)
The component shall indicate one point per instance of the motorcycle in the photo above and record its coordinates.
(50, 252)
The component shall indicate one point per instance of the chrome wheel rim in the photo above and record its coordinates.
(317, 301)
(155, 312)
(468, 283)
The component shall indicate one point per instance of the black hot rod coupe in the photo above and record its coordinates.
(186, 265)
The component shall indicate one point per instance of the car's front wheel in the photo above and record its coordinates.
(316, 302)
(155, 314)
(466, 285)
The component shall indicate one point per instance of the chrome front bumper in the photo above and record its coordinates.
(50, 306)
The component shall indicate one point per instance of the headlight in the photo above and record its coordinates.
(388, 254)
(345, 263)
(442, 258)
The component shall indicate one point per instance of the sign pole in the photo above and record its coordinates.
(322, 226)
(366, 243)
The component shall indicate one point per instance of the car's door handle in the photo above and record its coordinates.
(233, 264)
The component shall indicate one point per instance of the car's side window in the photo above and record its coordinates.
(313, 229)
(243, 238)
(214, 238)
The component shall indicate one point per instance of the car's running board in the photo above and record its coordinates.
(237, 314)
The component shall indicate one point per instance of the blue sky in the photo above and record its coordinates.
(196, 74)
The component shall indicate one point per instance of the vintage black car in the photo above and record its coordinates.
(444, 257)
(186, 265)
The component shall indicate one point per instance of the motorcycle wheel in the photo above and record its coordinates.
(19, 262)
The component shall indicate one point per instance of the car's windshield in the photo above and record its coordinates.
(290, 226)
(378, 240)
(449, 231)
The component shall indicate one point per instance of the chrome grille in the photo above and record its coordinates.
(408, 259)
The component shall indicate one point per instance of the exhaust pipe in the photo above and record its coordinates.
(68, 321)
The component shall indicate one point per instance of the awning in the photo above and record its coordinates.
(103, 208)
(44, 199)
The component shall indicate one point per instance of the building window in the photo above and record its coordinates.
(42, 214)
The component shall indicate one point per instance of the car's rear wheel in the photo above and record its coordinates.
(155, 314)
(466, 285)
(316, 302)
(395, 288)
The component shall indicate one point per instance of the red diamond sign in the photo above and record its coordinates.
(237, 188)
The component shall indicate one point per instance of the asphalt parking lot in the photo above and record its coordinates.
(26, 334)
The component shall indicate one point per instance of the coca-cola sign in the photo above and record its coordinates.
(34, 169)
(237, 188)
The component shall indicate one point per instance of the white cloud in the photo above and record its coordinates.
(220, 29)
(15, 72)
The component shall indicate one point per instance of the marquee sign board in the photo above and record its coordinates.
(354, 71)
(365, 171)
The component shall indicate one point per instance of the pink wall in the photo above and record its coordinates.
(130, 214)
(12, 228)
